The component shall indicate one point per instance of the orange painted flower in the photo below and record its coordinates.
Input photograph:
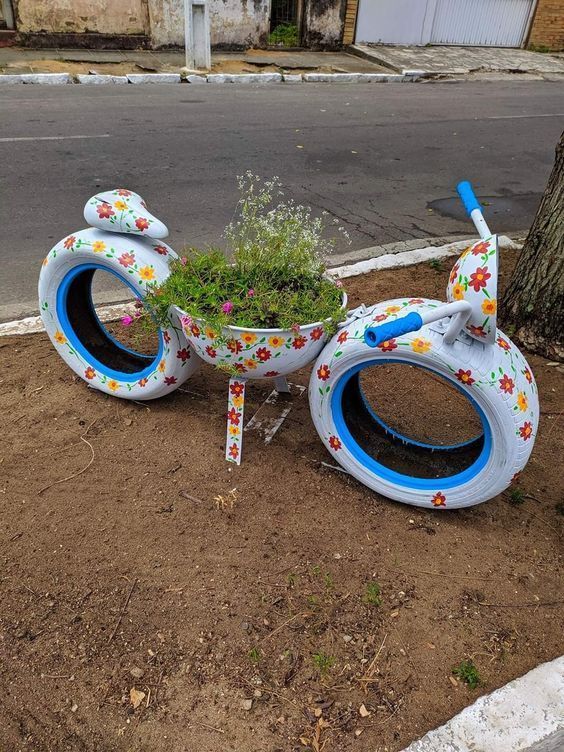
(528, 375)
(335, 443)
(143, 382)
(465, 253)
(59, 337)
(238, 401)
(453, 274)
(522, 401)
(317, 333)
(276, 341)
(343, 336)
(161, 249)
(489, 307)
(420, 345)
(415, 301)
(393, 309)
(45, 261)
(236, 388)
(162, 366)
(458, 291)
(142, 224)
(439, 500)
(526, 430)
(480, 248)
(234, 451)
(210, 333)
(90, 373)
(147, 273)
(123, 192)
(323, 372)
(503, 343)
(249, 338)
(506, 384)
(299, 342)
(388, 345)
(98, 246)
(465, 377)
(250, 363)
(113, 385)
(235, 346)
(380, 317)
(195, 329)
(233, 430)
(233, 417)
(69, 242)
(127, 259)
(477, 331)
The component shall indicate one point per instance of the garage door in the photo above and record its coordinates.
(499, 23)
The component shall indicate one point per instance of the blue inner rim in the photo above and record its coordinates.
(112, 343)
(408, 481)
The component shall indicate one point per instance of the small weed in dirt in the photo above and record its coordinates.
(372, 595)
(559, 507)
(292, 579)
(436, 265)
(467, 672)
(329, 584)
(322, 662)
(254, 655)
(516, 497)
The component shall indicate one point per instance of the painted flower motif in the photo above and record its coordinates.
(238, 401)
(233, 430)
(458, 291)
(211, 351)
(465, 253)
(453, 274)
(393, 309)
(143, 382)
(60, 337)
(380, 317)
(300, 341)
(166, 337)
(90, 373)
(250, 364)
(415, 301)
(162, 366)
(160, 249)
(271, 374)
(240, 368)
(210, 333)
(237, 389)
(528, 375)
(479, 278)
(195, 329)
(388, 345)
(489, 307)
(105, 211)
(235, 346)
(276, 341)
(120, 205)
(342, 337)
(169, 380)
(123, 192)
(147, 273)
(69, 242)
(45, 261)
(335, 443)
(323, 372)
(503, 343)
(249, 338)
(477, 331)
(98, 246)
(113, 385)
(142, 224)
(183, 354)
(465, 377)
(233, 417)
(439, 500)
(480, 248)
(522, 402)
(420, 345)
(526, 430)
(234, 451)
(317, 333)
(263, 354)
(506, 384)
(127, 259)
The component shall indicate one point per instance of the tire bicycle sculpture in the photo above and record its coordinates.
(456, 341)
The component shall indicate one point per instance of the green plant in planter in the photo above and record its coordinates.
(275, 277)
(285, 35)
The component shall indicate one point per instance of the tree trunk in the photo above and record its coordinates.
(532, 308)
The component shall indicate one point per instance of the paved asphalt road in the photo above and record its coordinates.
(375, 156)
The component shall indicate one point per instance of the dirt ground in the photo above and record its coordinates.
(234, 606)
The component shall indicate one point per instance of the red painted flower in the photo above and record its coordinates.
(166, 337)
(235, 345)
(90, 372)
(123, 192)
(161, 249)
(233, 416)
(335, 443)
(526, 430)
(69, 242)
(415, 301)
(105, 211)
(211, 351)
(240, 368)
(142, 223)
(170, 380)
(503, 343)
(439, 500)
(480, 249)
(506, 384)
(195, 329)
(388, 345)
(477, 331)
(234, 451)
(143, 382)
(380, 317)
(317, 333)
(323, 372)
(300, 341)
(236, 389)
(528, 375)
(271, 374)
(127, 259)
(479, 278)
(263, 354)
(183, 354)
(453, 274)
(465, 377)
(343, 336)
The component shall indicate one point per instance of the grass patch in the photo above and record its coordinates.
(467, 672)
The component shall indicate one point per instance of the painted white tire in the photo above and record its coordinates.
(496, 378)
(76, 332)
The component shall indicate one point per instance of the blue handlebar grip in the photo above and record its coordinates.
(468, 197)
(375, 335)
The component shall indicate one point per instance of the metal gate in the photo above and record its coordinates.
(498, 23)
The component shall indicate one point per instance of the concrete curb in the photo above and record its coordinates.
(523, 716)
(382, 257)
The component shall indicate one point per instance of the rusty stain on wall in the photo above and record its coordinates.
(76, 16)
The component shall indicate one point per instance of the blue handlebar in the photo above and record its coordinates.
(468, 197)
(375, 335)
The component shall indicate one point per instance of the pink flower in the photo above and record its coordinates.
(295, 328)
(183, 260)
(227, 307)
(126, 321)
(251, 293)
(338, 283)
(186, 321)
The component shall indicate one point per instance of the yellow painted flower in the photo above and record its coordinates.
(147, 273)
(251, 365)
(276, 341)
(249, 338)
(120, 205)
(60, 337)
(162, 366)
(465, 252)
(113, 385)
(420, 345)
(458, 292)
(45, 260)
(522, 402)
(393, 309)
(210, 333)
(233, 430)
(489, 307)
(237, 401)
(98, 246)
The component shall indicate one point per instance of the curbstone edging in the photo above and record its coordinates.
(244, 78)
(194, 78)
(153, 78)
(90, 78)
(356, 78)
(46, 78)
(292, 78)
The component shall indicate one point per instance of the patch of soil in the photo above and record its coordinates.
(241, 601)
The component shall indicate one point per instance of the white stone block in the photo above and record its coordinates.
(194, 79)
(46, 78)
(94, 79)
(292, 78)
(153, 78)
(244, 78)
(9, 79)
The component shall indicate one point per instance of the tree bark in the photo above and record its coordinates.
(532, 309)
